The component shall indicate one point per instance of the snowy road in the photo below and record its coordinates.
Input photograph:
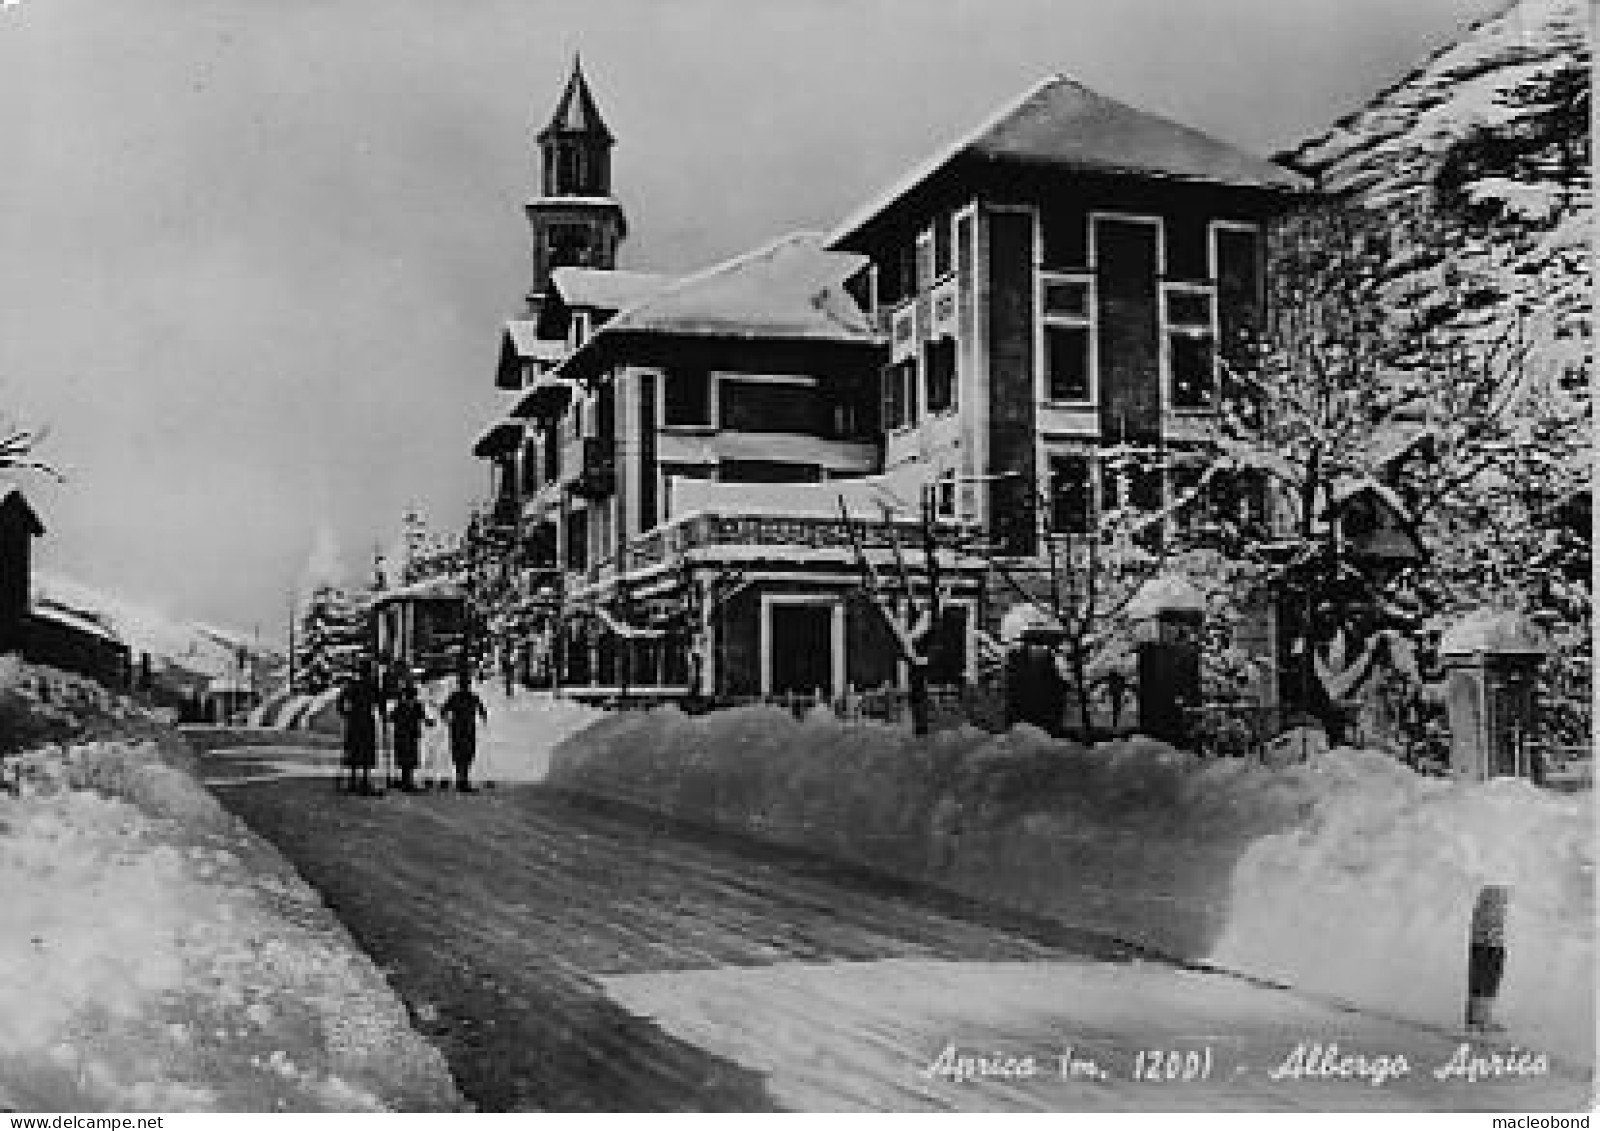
(569, 956)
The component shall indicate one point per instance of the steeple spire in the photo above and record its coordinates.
(576, 221)
(577, 113)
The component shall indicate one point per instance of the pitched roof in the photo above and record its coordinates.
(519, 342)
(577, 111)
(792, 288)
(1063, 123)
(606, 290)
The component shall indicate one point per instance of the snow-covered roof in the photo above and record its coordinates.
(606, 290)
(792, 288)
(1167, 593)
(1061, 122)
(1490, 630)
(499, 438)
(865, 498)
(1348, 487)
(520, 342)
(75, 619)
(523, 336)
(444, 588)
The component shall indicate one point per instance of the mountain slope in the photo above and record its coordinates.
(1489, 140)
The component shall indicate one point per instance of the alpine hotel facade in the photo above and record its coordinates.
(678, 457)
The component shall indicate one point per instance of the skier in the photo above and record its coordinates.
(409, 717)
(358, 705)
(462, 710)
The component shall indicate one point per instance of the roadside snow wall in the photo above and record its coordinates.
(156, 955)
(1348, 876)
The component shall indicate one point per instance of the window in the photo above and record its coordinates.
(945, 495)
(1237, 270)
(568, 245)
(1071, 497)
(1191, 348)
(770, 406)
(577, 540)
(1124, 484)
(1067, 353)
(578, 330)
(941, 363)
(906, 271)
(941, 247)
(1067, 298)
(530, 465)
(900, 395)
(687, 393)
(1068, 304)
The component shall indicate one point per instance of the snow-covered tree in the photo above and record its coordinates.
(331, 639)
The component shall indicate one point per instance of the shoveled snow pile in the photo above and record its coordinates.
(1371, 899)
(155, 955)
(1347, 874)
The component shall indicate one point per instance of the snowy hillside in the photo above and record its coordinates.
(1489, 136)
(203, 649)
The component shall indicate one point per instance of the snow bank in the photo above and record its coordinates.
(1346, 874)
(1371, 899)
(155, 955)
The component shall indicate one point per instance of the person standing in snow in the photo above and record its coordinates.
(358, 705)
(409, 717)
(462, 710)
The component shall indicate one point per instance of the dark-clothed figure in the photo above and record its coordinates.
(409, 717)
(358, 704)
(462, 710)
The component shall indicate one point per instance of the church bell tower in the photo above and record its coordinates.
(576, 222)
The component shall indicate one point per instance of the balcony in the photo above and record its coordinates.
(589, 466)
(806, 537)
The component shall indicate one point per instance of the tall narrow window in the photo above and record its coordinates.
(1071, 497)
(1069, 353)
(941, 247)
(940, 356)
(945, 495)
(1191, 346)
(1236, 267)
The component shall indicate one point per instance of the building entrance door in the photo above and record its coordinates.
(801, 643)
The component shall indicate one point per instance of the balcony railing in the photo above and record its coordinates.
(705, 531)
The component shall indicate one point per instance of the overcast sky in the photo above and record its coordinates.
(254, 256)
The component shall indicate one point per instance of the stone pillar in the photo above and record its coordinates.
(1491, 660)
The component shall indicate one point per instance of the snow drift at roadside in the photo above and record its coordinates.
(156, 955)
(1348, 875)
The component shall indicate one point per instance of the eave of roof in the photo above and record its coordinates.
(1061, 123)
